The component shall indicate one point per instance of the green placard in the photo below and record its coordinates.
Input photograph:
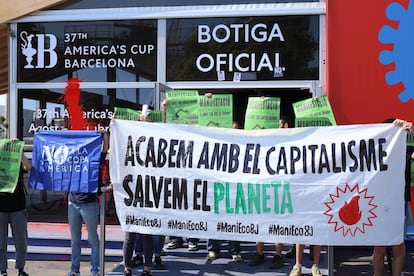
(309, 122)
(127, 114)
(262, 112)
(314, 107)
(10, 159)
(157, 116)
(216, 110)
(183, 106)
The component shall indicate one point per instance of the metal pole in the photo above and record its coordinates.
(102, 233)
(330, 260)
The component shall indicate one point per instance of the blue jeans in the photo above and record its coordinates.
(87, 212)
(18, 225)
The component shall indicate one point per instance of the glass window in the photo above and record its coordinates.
(96, 51)
(49, 110)
(246, 48)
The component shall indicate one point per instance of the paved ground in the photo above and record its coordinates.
(348, 261)
(49, 252)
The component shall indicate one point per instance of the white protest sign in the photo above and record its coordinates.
(337, 185)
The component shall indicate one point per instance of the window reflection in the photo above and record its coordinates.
(47, 109)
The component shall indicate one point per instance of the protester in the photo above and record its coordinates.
(398, 250)
(175, 241)
(147, 242)
(258, 257)
(13, 212)
(83, 207)
(158, 243)
(128, 249)
(213, 245)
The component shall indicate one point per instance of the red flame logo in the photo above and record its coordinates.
(350, 213)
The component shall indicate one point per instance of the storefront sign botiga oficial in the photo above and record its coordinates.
(252, 48)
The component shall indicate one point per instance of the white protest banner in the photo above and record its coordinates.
(336, 185)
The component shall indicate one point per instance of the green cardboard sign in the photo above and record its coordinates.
(262, 113)
(216, 110)
(10, 160)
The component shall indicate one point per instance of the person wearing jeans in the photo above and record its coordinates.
(158, 244)
(83, 207)
(13, 213)
(128, 250)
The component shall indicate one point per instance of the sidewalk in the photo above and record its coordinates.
(49, 255)
(348, 261)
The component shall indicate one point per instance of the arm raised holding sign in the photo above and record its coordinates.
(13, 211)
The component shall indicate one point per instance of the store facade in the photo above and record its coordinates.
(127, 56)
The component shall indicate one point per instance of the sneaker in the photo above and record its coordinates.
(71, 273)
(257, 259)
(127, 273)
(277, 262)
(137, 260)
(158, 263)
(173, 245)
(94, 273)
(237, 258)
(192, 246)
(212, 255)
(146, 273)
(21, 273)
(316, 271)
(291, 252)
(296, 270)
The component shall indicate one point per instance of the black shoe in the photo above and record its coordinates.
(146, 273)
(22, 273)
(257, 259)
(127, 273)
(277, 262)
(291, 252)
(158, 263)
(137, 260)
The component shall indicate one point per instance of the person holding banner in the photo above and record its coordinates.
(398, 250)
(13, 212)
(84, 207)
(213, 245)
(146, 239)
(175, 241)
(258, 257)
